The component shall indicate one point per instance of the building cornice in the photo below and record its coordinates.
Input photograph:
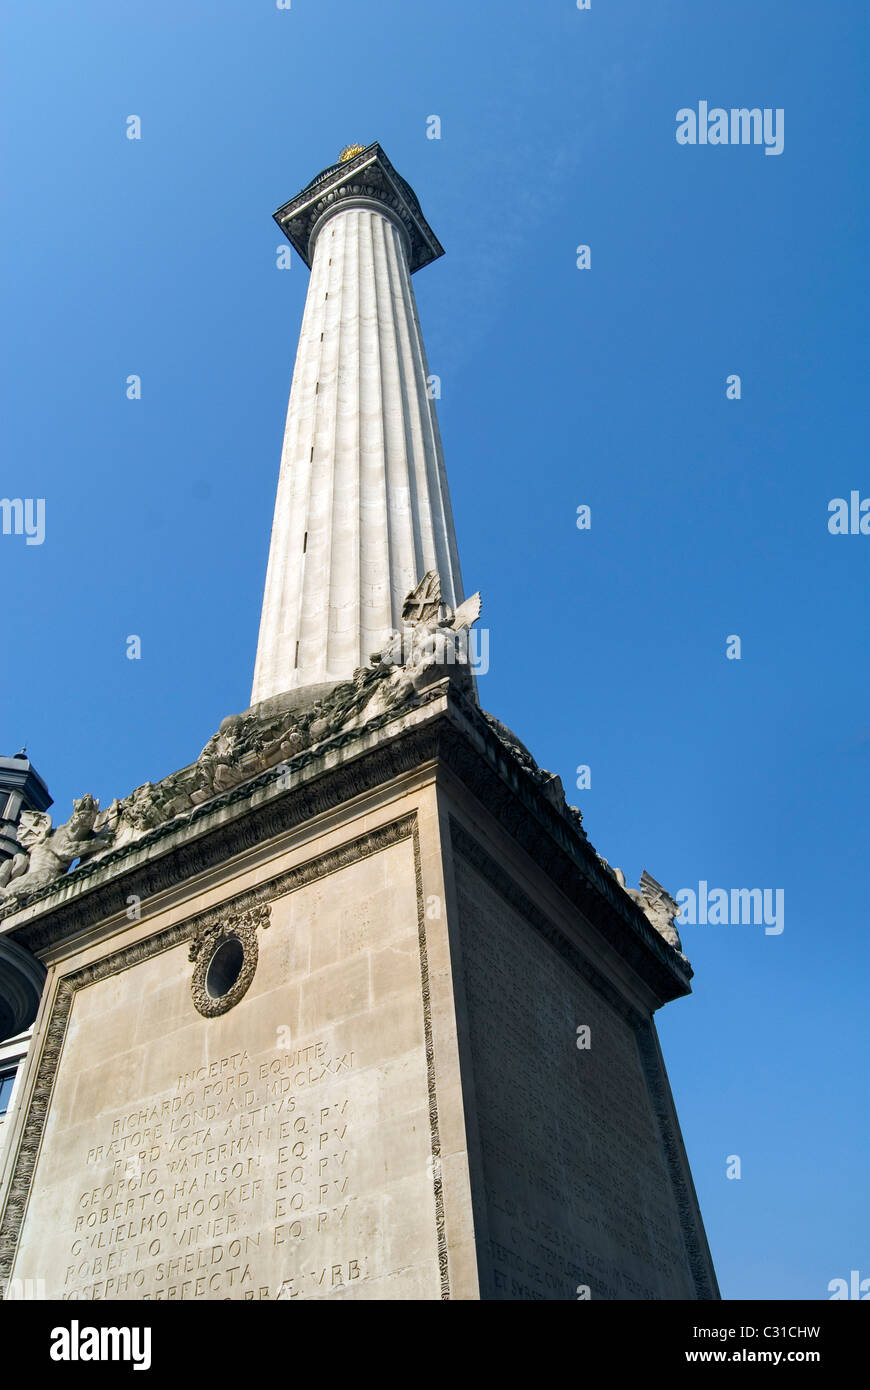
(442, 727)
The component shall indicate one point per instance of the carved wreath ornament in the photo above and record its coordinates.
(226, 955)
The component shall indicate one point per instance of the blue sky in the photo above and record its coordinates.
(560, 387)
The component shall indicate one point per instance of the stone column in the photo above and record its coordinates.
(362, 509)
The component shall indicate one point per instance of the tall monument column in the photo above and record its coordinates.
(362, 511)
(384, 1027)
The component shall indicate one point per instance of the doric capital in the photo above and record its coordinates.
(368, 176)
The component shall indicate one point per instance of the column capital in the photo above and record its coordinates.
(368, 176)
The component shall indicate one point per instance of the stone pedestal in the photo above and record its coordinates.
(318, 1038)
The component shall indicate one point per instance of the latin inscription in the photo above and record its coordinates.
(281, 1150)
(190, 1191)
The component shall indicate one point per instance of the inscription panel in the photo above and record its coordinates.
(280, 1150)
(577, 1191)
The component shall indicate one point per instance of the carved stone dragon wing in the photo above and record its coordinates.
(467, 613)
(34, 828)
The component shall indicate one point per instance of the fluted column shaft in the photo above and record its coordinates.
(362, 510)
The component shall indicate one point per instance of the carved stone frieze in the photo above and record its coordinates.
(48, 852)
(431, 647)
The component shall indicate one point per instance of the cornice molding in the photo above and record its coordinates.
(368, 177)
(443, 728)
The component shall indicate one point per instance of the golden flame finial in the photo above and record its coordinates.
(349, 152)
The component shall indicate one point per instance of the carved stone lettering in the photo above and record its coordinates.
(286, 1148)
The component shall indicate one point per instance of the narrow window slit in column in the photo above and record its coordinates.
(304, 548)
(296, 658)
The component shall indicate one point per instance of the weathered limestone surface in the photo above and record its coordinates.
(575, 1175)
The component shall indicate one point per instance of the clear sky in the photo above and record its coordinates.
(561, 387)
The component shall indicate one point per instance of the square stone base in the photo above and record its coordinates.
(387, 1100)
